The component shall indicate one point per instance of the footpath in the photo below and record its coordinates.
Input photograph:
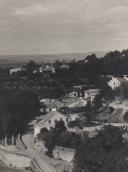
(42, 162)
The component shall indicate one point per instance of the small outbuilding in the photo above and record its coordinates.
(64, 153)
(91, 94)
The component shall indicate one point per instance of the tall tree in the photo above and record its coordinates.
(18, 108)
(31, 66)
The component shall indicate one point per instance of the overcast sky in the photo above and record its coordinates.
(61, 26)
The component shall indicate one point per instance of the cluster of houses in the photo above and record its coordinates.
(53, 113)
(71, 101)
(51, 109)
(78, 98)
(41, 69)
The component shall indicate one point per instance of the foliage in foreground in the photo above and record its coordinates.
(17, 108)
(103, 153)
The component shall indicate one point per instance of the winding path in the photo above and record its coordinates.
(33, 154)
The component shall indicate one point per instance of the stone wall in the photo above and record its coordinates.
(14, 160)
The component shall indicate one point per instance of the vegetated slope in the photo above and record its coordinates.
(118, 115)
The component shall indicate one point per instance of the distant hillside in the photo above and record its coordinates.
(7, 60)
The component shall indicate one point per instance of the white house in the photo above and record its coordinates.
(15, 70)
(91, 94)
(48, 121)
(47, 68)
(64, 153)
(73, 94)
(115, 82)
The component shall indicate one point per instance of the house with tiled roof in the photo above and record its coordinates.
(51, 105)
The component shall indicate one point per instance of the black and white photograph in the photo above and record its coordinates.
(63, 85)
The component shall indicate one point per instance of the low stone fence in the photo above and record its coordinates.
(14, 160)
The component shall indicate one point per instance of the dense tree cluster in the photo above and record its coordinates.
(105, 152)
(17, 109)
(113, 63)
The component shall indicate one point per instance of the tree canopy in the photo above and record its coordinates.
(17, 108)
(104, 152)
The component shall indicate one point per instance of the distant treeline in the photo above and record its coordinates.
(113, 63)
